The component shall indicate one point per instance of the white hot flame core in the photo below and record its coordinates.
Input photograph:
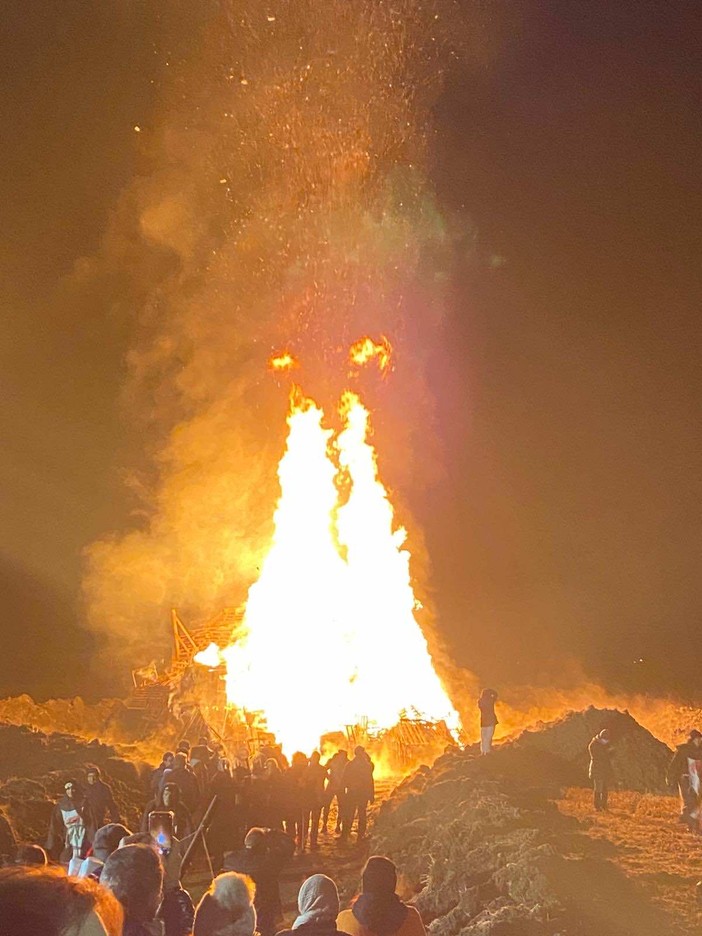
(330, 634)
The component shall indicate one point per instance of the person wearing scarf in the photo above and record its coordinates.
(378, 911)
(318, 908)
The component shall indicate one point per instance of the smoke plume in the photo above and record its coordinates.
(284, 205)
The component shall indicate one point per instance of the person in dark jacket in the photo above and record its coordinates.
(335, 788)
(100, 797)
(313, 799)
(378, 911)
(72, 827)
(156, 780)
(294, 796)
(601, 773)
(488, 719)
(181, 774)
(684, 773)
(359, 791)
(262, 858)
(318, 908)
(226, 828)
(170, 800)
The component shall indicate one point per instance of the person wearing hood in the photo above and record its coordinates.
(72, 827)
(318, 908)
(170, 801)
(359, 791)
(226, 908)
(684, 772)
(106, 841)
(100, 797)
(600, 772)
(378, 911)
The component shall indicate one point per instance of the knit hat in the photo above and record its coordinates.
(227, 907)
(379, 876)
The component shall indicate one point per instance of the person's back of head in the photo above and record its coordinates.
(31, 855)
(226, 909)
(134, 874)
(183, 747)
(138, 838)
(317, 900)
(379, 876)
(46, 902)
(107, 839)
(255, 838)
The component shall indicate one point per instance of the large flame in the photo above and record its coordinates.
(331, 637)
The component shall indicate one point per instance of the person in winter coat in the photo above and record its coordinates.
(378, 911)
(294, 797)
(359, 791)
(335, 788)
(181, 774)
(156, 780)
(226, 908)
(313, 799)
(170, 800)
(318, 908)
(601, 773)
(72, 827)
(226, 829)
(684, 772)
(106, 841)
(100, 797)
(262, 858)
(488, 719)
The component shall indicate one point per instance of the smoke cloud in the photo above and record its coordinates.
(283, 205)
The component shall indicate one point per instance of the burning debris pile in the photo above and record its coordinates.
(34, 767)
(485, 851)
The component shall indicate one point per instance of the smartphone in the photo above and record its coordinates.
(161, 829)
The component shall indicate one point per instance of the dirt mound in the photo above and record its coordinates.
(34, 767)
(639, 759)
(483, 850)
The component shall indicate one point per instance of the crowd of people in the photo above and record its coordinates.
(251, 816)
(130, 897)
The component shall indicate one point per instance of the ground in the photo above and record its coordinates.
(640, 834)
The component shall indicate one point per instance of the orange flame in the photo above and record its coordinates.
(283, 362)
(330, 633)
(365, 350)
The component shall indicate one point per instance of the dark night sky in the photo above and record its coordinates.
(569, 524)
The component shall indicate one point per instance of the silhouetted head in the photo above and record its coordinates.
(379, 876)
(170, 795)
(31, 855)
(93, 775)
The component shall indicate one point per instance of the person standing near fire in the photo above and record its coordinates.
(684, 773)
(601, 773)
(359, 791)
(488, 719)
